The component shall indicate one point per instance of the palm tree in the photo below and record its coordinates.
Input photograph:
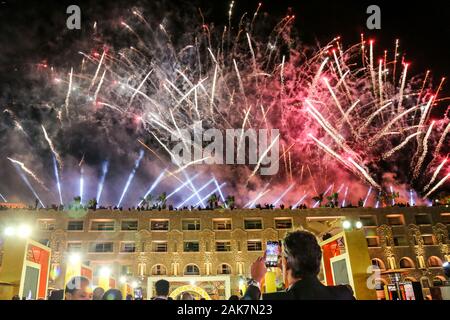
(92, 204)
(318, 198)
(212, 201)
(333, 200)
(162, 199)
(229, 201)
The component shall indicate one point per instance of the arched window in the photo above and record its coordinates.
(434, 262)
(438, 281)
(191, 270)
(159, 270)
(224, 269)
(379, 263)
(406, 263)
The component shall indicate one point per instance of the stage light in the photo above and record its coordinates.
(123, 279)
(9, 231)
(358, 225)
(192, 282)
(134, 284)
(74, 258)
(24, 231)
(346, 224)
(105, 272)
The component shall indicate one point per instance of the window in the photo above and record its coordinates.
(379, 263)
(191, 225)
(368, 221)
(224, 269)
(223, 246)
(159, 270)
(75, 226)
(434, 262)
(159, 225)
(221, 224)
(395, 220)
(191, 246)
(428, 240)
(191, 270)
(253, 224)
(159, 247)
(423, 219)
(101, 247)
(254, 245)
(372, 242)
(283, 223)
(102, 225)
(400, 241)
(445, 218)
(129, 225)
(46, 225)
(74, 246)
(128, 247)
(406, 263)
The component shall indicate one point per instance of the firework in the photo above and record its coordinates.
(333, 101)
(28, 171)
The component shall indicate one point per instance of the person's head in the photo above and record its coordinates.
(15, 297)
(112, 294)
(98, 293)
(233, 297)
(162, 288)
(77, 289)
(56, 295)
(129, 297)
(186, 296)
(302, 256)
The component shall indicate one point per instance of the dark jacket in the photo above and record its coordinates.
(309, 288)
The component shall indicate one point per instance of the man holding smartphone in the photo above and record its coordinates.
(300, 264)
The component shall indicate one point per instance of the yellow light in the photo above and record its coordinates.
(358, 225)
(74, 258)
(346, 224)
(123, 279)
(24, 231)
(134, 284)
(9, 231)
(105, 272)
(192, 282)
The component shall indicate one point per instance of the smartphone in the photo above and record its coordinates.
(138, 294)
(273, 251)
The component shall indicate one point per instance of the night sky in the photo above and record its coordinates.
(35, 30)
(32, 32)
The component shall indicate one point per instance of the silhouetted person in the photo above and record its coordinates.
(77, 289)
(98, 293)
(112, 294)
(300, 263)
(162, 290)
(56, 295)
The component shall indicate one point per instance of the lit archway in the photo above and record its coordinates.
(224, 269)
(379, 263)
(190, 288)
(406, 263)
(434, 262)
(159, 270)
(191, 270)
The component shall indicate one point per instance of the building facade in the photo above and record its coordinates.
(222, 244)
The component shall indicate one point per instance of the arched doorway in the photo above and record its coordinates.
(197, 291)
(406, 263)
(434, 262)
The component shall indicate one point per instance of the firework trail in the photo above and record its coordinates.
(101, 183)
(28, 171)
(52, 147)
(130, 177)
(437, 185)
(435, 174)
(20, 170)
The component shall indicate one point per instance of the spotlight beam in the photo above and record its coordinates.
(27, 182)
(154, 185)
(3, 198)
(130, 177)
(101, 183)
(194, 194)
(283, 194)
(211, 193)
(220, 192)
(182, 186)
